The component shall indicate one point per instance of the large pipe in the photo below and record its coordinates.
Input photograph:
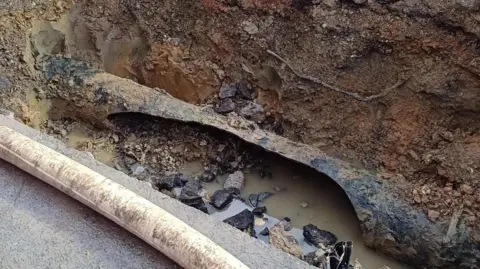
(151, 223)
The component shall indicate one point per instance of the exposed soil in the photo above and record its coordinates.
(426, 131)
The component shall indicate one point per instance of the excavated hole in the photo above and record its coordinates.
(150, 148)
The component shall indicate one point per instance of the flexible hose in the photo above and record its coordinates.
(157, 227)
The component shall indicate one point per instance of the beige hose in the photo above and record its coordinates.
(154, 225)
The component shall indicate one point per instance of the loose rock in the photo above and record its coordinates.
(284, 241)
(235, 180)
(193, 186)
(227, 91)
(169, 182)
(243, 91)
(194, 201)
(316, 236)
(242, 220)
(250, 27)
(304, 205)
(225, 106)
(191, 195)
(221, 198)
(259, 211)
(253, 199)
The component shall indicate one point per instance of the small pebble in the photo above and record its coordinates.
(304, 205)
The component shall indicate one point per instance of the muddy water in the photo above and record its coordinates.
(326, 206)
(80, 138)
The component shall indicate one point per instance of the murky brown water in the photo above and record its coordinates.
(80, 138)
(327, 206)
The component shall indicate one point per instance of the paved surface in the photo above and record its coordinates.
(40, 227)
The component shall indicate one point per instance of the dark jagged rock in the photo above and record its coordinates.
(227, 91)
(190, 195)
(242, 220)
(253, 199)
(169, 182)
(221, 198)
(259, 211)
(243, 91)
(265, 232)
(194, 201)
(193, 186)
(316, 236)
(264, 195)
(225, 106)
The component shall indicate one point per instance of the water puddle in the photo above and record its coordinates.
(81, 138)
(304, 198)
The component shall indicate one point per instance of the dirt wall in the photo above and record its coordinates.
(425, 132)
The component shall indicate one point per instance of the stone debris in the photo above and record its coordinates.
(191, 195)
(318, 237)
(235, 180)
(222, 198)
(242, 221)
(227, 91)
(169, 182)
(225, 106)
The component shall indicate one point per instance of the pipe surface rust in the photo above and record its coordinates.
(157, 227)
